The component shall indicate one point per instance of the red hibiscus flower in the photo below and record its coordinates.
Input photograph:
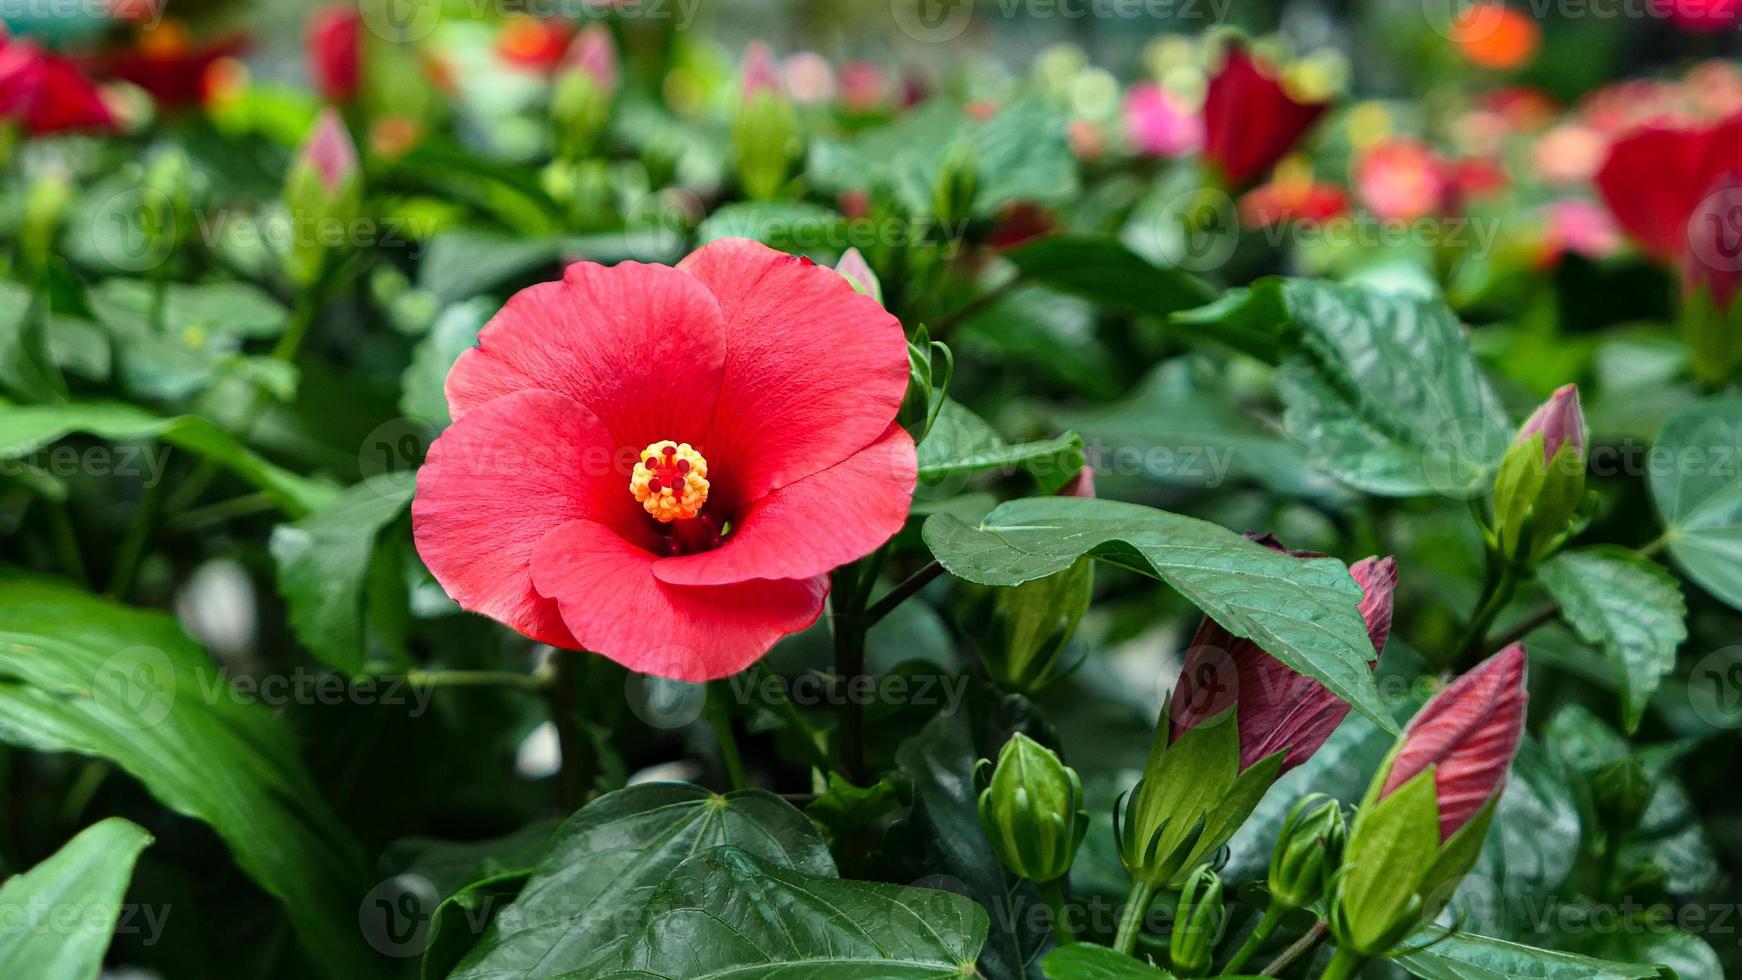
(171, 66)
(335, 52)
(662, 464)
(1655, 179)
(1250, 120)
(47, 93)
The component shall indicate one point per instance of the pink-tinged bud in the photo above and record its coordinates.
(1250, 121)
(1277, 709)
(1160, 123)
(1081, 485)
(866, 87)
(1560, 420)
(760, 75)
(335, 52)
(1714, 255)
(594, 52)
(810, 77)
(1468, 733)
(330, 151)
(857, 271)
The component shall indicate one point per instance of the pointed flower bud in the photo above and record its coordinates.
(1081, 485)
(1427, 811)
(1308, 851)
(1540, 485)
(1236, 721)
(324, 194)
(335, 52)
(1251, 120)
(765, 131)
(931, 367)
(1032, 810)
(586, 86)
(958, 183)
(858, 272)
(1198, 922)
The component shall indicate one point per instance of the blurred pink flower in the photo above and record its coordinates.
(1160, 123)
(1580, 226)
(1704, 16)
(810, 78)
(1401, 178)
(1569, 154)
(865, 87)
(759, 74)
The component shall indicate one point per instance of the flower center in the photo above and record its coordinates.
(671, 481)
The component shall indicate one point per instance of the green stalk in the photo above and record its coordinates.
(1054, 896)
(1131, 920)
(1344, 965)
(1261, 933)
(721, 717)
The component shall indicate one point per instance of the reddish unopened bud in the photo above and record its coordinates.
(1560, 420)
(1250, 119)
(595, 53)
(760, 74)
(1081, 485)
(1468, 733)
(330, 151)
(1279, 710)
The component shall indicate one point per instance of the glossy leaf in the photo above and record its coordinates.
(77, 893)
(1103, 269)
(960, 443)
(1627, 606)
(1087, 961)
(1304, 613)
(1467, 957)
(1699, 496)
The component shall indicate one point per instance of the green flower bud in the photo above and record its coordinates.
(958, 183)
(1621, 791)
(1032, 623)
(765, 139)
(930, 369)
(1198, 922)
(44, 205)
(1032, 810)
(1308, 851)
(324, 195)
(1540, 486)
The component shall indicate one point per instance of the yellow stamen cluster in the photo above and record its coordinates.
(670, 480)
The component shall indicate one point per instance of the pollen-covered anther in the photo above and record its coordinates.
(671, 481)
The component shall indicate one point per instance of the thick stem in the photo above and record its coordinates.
(902, 592)
(1053, 893)
(1261, 933)
(1343, 965)
(720, 715)
(1299, 948)
(1132, 918)
(1496, 594)
(849, 667)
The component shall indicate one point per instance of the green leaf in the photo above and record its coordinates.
(24, 430)
(1087, 961)
(1381, 388)
(792, 226)
(605, 862)
(87, 877)
(232, 308)
(1699, 497)
(726, 913)
(1467, 957)
(1531, 850)
(26, 370)
(79, 674)
(323, 563)
(1626, 605)
(961, 443)
(1304, 612)
(1101, 268)
(423, 386)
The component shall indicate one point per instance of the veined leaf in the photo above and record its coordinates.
(1087, 961)
(1101, 268)
(88, 876)
(1699, 498)
(604, 863)
(961, 443)
(1467, 957)
(1629, 607)
(726, 913)
(1304, 612)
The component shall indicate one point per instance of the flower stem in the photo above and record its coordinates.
(720, 715)
(1496, 595)
(1053, 894)
(561, 696)
(902, 592)
(476, 678)
(1344, 965)
(1299, 948)
(1262, 932)
(849, 667)
(1131, 920)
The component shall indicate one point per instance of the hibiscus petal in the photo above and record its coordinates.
(495, 483)
(815, 371)
(640, 345)
(615, 606)
(808, 527)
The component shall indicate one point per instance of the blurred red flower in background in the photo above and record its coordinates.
(47, 93)
(169, 64)
(335, 52)
(1250, 119)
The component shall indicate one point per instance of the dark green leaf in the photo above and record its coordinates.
(1087, 961)
(1628, 606)
(78, 674)
(605, 862)
(1303, 612)
(323, 562)
(1103, 269)
(961, 443)
(26, 370)
(1467, 957)
(423, 392)
(78, 890)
